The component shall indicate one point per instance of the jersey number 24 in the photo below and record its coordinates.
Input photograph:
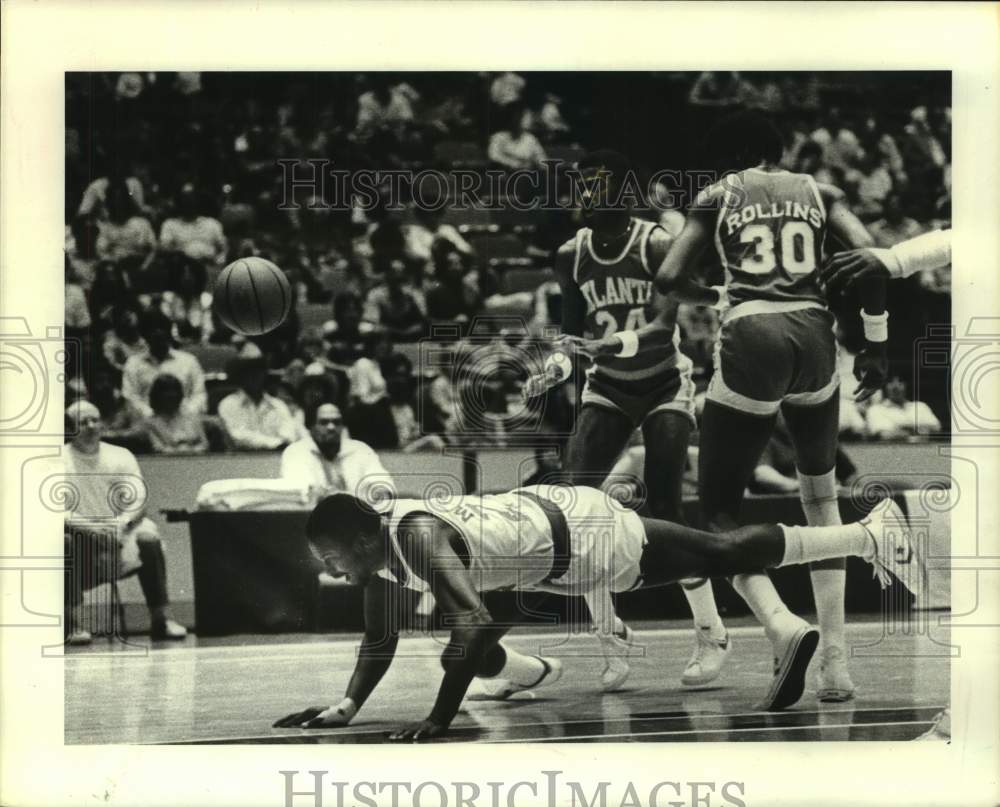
(636, 319)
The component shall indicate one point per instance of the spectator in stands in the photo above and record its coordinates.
(427, 232)
(386, 107)
(185, 301)
(109, 506)
(125, 236)
(123, 340)
(399, 381)
(161, 357)
(369, 415)
(122, 422)
(715, 89)
(506, 89)
(895, 226)
(513, 148)
(894, 417)
(395, 305)
(809, 160)
(92, 204)
(347, 335)
(454, 296)
(170, 430)
(253, 419)
(545, 119)
(327, 461)
(874, 184)
(81, 248)
(111, 293)
(193, 234)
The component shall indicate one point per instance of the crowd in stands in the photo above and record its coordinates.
(170, 176)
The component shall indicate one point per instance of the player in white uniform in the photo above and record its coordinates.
(567, 540)
(926, 252)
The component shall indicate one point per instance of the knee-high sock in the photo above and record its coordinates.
(701, 599)
(759, 593)
(807, 544)
(818, 495)
(602, 611)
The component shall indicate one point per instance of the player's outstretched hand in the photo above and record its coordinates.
(424, 730)
(871, 369)
(316, 717)
(591, 348)
(844, 269)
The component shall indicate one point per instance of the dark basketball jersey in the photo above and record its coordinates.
(619, 296)
(769, 235)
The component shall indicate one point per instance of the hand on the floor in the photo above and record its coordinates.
(424, 730)
(319, 717)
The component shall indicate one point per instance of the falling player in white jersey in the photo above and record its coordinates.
(561, 539)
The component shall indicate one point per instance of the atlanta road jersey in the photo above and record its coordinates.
(508, 540)
(619, 297)
(769, 235)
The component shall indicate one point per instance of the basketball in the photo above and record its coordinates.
(252, 296)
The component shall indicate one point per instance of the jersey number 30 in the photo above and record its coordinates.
(798, 249)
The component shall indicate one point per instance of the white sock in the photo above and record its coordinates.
(760, 594)
(818, 495)
(521, 669)
(805, 544)
(701, 599)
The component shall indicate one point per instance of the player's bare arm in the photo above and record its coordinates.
(426, 542)
(673, 274)
(378, 647)
(574, 310)
(871, 367)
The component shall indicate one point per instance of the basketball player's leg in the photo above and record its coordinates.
(602, 431)
(666, 434)
(814, 433)
(673, 552)
(754, 364)
(504, 671)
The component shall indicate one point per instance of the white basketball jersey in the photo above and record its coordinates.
(509, 544)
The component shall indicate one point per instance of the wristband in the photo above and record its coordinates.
(347, 707)
(630, 344)
(876, 326)
(560, 361)
(723, 301)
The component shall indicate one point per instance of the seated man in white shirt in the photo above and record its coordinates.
(253, 419)
(141, 370)
(895, 417)
(108, 502)
(327, 461)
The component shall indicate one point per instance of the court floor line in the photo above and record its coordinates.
(344, 732)
(176, 655)
(633, 734)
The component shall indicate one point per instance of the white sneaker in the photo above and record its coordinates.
(707, 660)
(499, 689)
(793, 650)
(616, 651)
(941, 730)
(833, 682)
(894, 553)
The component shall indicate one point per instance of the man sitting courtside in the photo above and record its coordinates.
(108, 506)
(328, 461)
